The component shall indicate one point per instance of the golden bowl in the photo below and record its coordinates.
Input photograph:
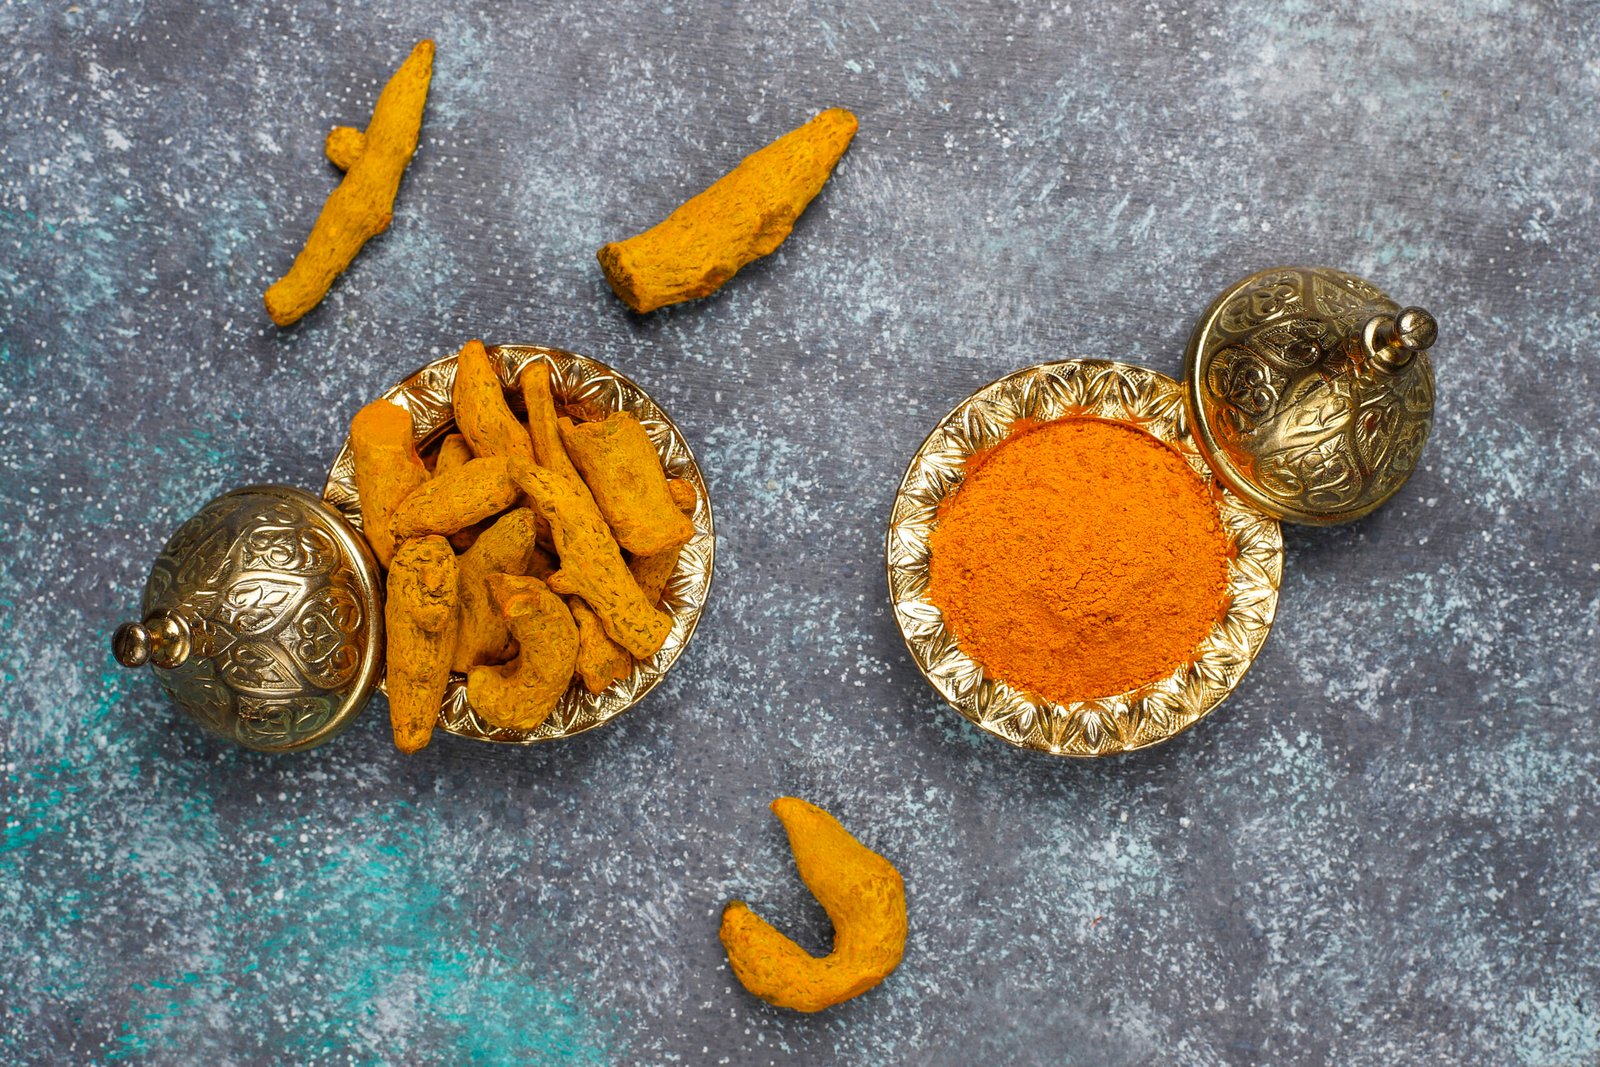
(590, 389)
(1135, 719)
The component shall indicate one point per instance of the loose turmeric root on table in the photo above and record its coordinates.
(363, 204)
(522, 694)
(591, 564)
(387, 470)
(457, 499)
(507, 547)
(481, 410)
(745, 215)
(861, 892)
(623, 472)
(420, 620)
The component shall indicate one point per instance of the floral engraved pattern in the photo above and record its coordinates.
(276, 613)
(1101, 727)
(1297, 406)
(593, 390)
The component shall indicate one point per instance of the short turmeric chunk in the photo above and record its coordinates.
(507, 547)
(622, 470)
(745, 215)
(420, 621)
(601, 661)
(457, 498)
(522, 694)
(363, 204)
(387, 470)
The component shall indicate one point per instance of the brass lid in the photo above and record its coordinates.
(1310, 392)
(262, 619)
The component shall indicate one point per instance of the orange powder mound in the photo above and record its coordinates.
(1080, 558)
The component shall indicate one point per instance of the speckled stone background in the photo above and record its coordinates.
(1383, 849)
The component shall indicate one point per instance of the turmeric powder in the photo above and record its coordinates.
(1080, 558)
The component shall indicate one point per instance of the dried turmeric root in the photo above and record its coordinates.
(653, 572)
(601, 661)
(745, 215)
(591, 564)
(453, 452)
(862, 893)
(420, 618)
(507, 547)
(623, 472)
(363, 204)
(684, 494)
(481, 411)
(457, 499)
(387, 470)
(344, 145)
(522, 694)
(544, 427)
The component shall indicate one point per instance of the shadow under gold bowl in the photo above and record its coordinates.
(588, 389)
(1140, 717)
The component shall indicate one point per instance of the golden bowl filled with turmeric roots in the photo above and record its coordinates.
(546, 423)
(1066, 570)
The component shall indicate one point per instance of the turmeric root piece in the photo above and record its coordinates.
(619, 464)
(544, 429)
(653, 572)
(481, 411)
(343, 146)
(363, 204)
(388, 469)
(862, 893)
(457, 499)
(745, 215)
(591, 564)
(601, 661)
(505, 548)
(453, 452)
(521, 694)
(683, 494)
(420, 620)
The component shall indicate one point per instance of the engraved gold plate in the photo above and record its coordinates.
(589, 389)
(1145, 716)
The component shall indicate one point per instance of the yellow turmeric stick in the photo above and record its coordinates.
(344, 145)
(420, 620)
(481, 411)
(623, 472)
(521, 694)
(684, 494)
(653, 572)
(387, 470)
(505, 548)
(544, 429)
(601, 661)
(456, 499)
(453, 452)
(363, 204)
(745, 215)
(861, 892)
(591, 563)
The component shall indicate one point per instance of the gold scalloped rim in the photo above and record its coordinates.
(1145, 716)
(593, 390)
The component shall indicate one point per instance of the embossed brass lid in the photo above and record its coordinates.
(1310, 392)
(262, 619)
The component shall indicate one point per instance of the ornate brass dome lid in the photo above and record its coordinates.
(262, 619)
(1311, 392)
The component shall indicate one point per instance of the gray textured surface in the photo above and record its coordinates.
(1383, 849)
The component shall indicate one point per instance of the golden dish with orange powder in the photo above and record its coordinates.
(1066, 569)
(1081, 558)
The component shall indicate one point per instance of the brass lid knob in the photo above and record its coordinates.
(1310, 392)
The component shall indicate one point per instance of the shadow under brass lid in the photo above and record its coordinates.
(1310, 392)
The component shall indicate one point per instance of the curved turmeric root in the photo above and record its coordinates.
(363, 204)
(861, 892)
(522, 694)
(745, 215)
